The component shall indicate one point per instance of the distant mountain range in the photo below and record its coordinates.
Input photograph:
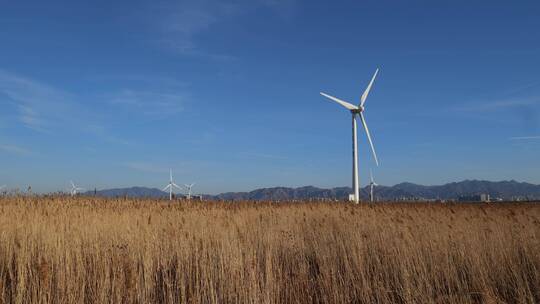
(503, 189)
(135, 192)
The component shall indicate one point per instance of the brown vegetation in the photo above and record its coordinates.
(89, 250)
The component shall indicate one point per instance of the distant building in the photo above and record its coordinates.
(484, 198)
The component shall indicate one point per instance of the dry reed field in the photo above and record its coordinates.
(93, 250)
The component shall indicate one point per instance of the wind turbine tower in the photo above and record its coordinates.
(357, 111)
(171, 185)
(188, 187)
(372, 184)
(74, 189)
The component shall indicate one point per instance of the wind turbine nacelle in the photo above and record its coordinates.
(358, 110)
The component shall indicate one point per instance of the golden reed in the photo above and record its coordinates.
(93, 250)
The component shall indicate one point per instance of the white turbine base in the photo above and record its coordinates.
(355, 181)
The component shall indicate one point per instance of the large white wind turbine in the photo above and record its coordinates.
(372, 184)
(357, 111)
(188, 188)
(74, 189)
(171, 185)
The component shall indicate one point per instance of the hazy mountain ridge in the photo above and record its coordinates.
(284, 193)
(502, 189)
(130, 192)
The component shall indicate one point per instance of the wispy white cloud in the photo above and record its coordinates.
(525, 138)
(43, 108)
(149, 102)
(150, 82)
(262, 155)
(499, 105)
(520, 111)
(186, 21)
(181, 22)
(39, 106)
(101, 132)
(13, 149)
(283, 8)
(145, 167)
(30, 118)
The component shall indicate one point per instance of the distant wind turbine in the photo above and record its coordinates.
(372, 184)
(188, 187)
(171, 185)
(74, 189)
(357, 110)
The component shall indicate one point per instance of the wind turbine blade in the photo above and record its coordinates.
(366, 92)
(369, 138)
(341, 102)
(176, 186)
(72, 184)
(170, 174)
(166, 187)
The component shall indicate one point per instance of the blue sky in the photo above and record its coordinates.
(226, 93)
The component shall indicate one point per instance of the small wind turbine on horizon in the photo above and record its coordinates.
(171, 185)
(188, 187)
(357, 111)
(74, 189)
(372, 184)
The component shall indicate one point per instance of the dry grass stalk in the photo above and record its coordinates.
(92, 250)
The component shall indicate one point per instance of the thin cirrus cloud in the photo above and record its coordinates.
(149, 102)
(43, 108)
(526, 137)
(145, 167)
(38, 106)
(181, 22)
(30, 118)
(13, 149)
(499, 105)
(520, 111)
(181, 26)
(262, 156)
